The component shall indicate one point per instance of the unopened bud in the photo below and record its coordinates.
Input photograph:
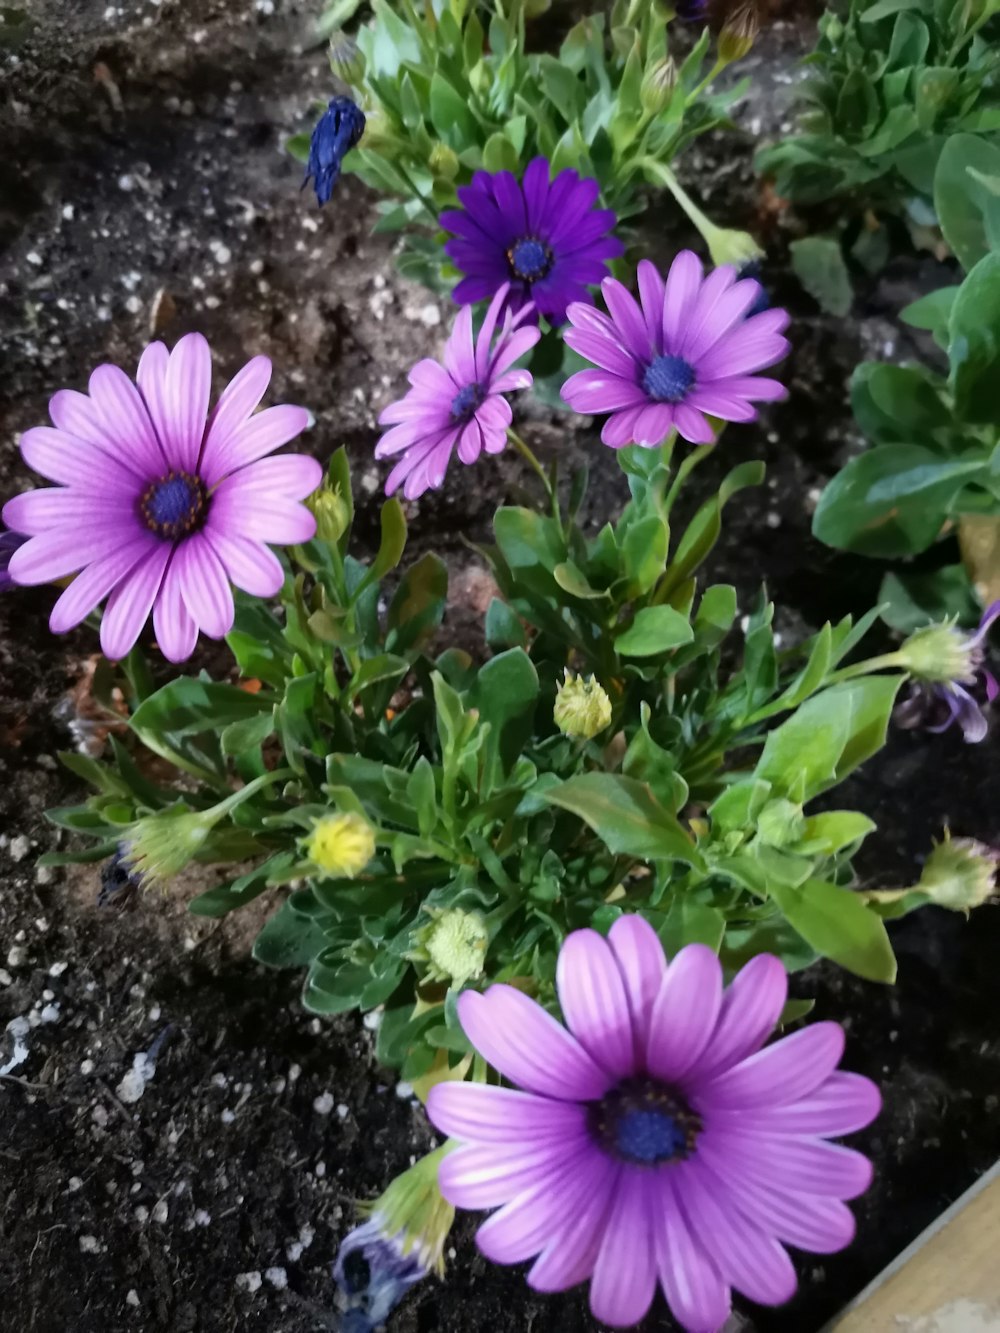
(341, 845)
(329, 508)
(960, 874)
(939, 654)
(582, 707)
(346, 61)
(739, 32)
(453, 945)
(444, 162)
(657, 87)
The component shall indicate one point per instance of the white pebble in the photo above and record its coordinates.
(86, 1067)
(50, 1014)
(404, 1090)
(74, 1183)
(249, 1282)
(16, 956)
(343, 1110)
(227, 1117)
(141, 1214)
(57, 969)
(277, 1277)
(90, 1245)
(221, 252)
(126, 183)
(323, 1104)
(202, 1219)
(21, 846)
(161, 1212)
(294, 1251)
(132, 1298)
(131, 1088)
(68, 212)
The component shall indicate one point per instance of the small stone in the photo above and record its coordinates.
(277, 1277)
(50, 1014)
(5, 978)
(249, 1282)
(131, 1088)
(221, 252)
(74, 1183)
(57, 969)
(201, 1218)
(404, 1090)
(343, 1111)
(320, 1170)
(99, 1115)
(21, 845)
(33, 257)
(132, 1297)
(161, 1212)
(68, 212)
(86, 1067)
(323, 1104)
(90, 1245)
(141, 1214)
(228, 1116)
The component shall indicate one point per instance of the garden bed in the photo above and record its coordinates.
(144, 183)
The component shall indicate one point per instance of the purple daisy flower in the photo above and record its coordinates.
(459, 404)
(9, 543)
(937, 704)
(545, 240)
(654, 1141)
(161, 504)
(687, 353)
(690, 10)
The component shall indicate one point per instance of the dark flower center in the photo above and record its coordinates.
(529, 259)
(644, 1123)
(174, 506)
(668, 379)
(465, 402)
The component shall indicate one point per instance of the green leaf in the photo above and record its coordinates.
(838, 925)
(819, 265)
(644, 552)
(627, 817)
(499, 154)
(506, 693)
(833, 830)
(531, 545)
(247, 734)
(225, 898)
(288, 939)
(897, 404)
(703, 531)
(691, 922)
(417, 606)
(974, 344)
(503, 626)
(967, 207)
(649, 762)
(655, 629)
(909, 601)
(572, 580)
(890, 501)
(932, 312)
(187, 706)
(451, 116)
(391, 545)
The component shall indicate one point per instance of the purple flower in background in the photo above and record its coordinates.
(687, 352)
(337, 131)
(951, 681)
(690, 10)
(546, 241)
(459, 404)
(374, 1267)
(9, 543)
(654, 1141)
(161, 504)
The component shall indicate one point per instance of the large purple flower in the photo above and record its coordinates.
(546, 240)
(459, 404)
(688, 352)
(162, 504)
(655, 1140)
(964, 683)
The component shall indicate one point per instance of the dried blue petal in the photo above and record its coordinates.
(120, 885)
(374, 1273)
(337, 131)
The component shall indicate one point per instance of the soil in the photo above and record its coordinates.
(144, 187)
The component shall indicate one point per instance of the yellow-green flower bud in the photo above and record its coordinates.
(582, 707)
(444, 162)
(341, 845)
(160, 846)
(346, 62)
(330, 510)
(941, 653)
(739, 32)
(959, 874)
(657, 87)
(453, 945)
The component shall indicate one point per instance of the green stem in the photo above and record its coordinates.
(867, 667)
(531, 459)
(712, 75)
(251, 789)
(695, 457)
(667, 178)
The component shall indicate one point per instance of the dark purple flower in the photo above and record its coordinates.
(544, 238)
(690, 10)
(951, 682)
(9, 542)
(658, 1140)
(751, 269)
(687, 351)
(460, 404)
(337, 131)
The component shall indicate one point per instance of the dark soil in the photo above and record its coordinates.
(143, 156)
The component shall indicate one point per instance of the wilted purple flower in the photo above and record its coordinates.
(687, 353)
(162, 504)
(337, 131)
(546, 241)
(9, 543)
(373, 1268)
(655, 1140)
(951, 682)
(120, 884)
(457, 404)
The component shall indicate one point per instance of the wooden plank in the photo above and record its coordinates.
(947, 1281)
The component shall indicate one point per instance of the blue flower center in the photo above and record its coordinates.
(529, 259)
(465, 402)
(668, 379)
(644, 1123)
(174, 506)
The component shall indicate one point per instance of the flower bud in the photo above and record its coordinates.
(329, 508)
(453, 945)
(158, 847)
(341, 845)
(444, 162)
(582, 707)
(346, 62)
(739, 32)
(657, 87)
(959, 874)
(939, 654)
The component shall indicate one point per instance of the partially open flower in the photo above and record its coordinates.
(960, 874)
(951, 682)
(341, 845)
(582, 707)
(158, 847)
(453, 945)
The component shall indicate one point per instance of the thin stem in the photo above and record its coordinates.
(531, 459)
(712, 75)
(667, 178)
(869, 665)
(695, 457)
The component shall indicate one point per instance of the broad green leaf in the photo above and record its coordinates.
(909, 601)
(819, 265)
(968, 209)
(288, 939)
(187, 706)
(503, 626)
(648, 762)
(896, 404)
(837, 923)
(655, 629)
(703, 531)
(933, 313)
(833, 830)
(506, 693)
(417, 606)
(572, 580)
(627, 817)
(691, 922)
(247, 734)
(974, 344)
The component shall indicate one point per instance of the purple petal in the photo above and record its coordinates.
(248, 564)
(487, 329)
(525, 1044)
(594, 1002)
(755, 388)
(55, 554)
(125, 422)
(174, 627)
(750, 1010)
(718, 405)
(685, 1012)
(485, 1176)
(842, 1104)
(459, 353)
(535, 186)
(423, 466)
(651, 293)
(601, 351)
(260, 435)
(478, 1113)
(59, 507)
(698, 1296)
(787, 1071)
(691, 425)
(628, 319)
(991, 614)
(746, 1257)
(639, 955)
(471, 290)
(75, 414)
(619, 429)
(512, 348)
(624, 1281)
(720, 308)
(259, 515)
(151, 377)
(681, 290)
(204, 586)
(186, 392)
(819, 1225)
(600, 391)
(654, 423)
(102, 574)
(795, 1165)
(290, 477)
(523, 1227)
(571, 1254)
(73, 462)
(129, 605)
(470, 442)
(237, 403)
(593, 321)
